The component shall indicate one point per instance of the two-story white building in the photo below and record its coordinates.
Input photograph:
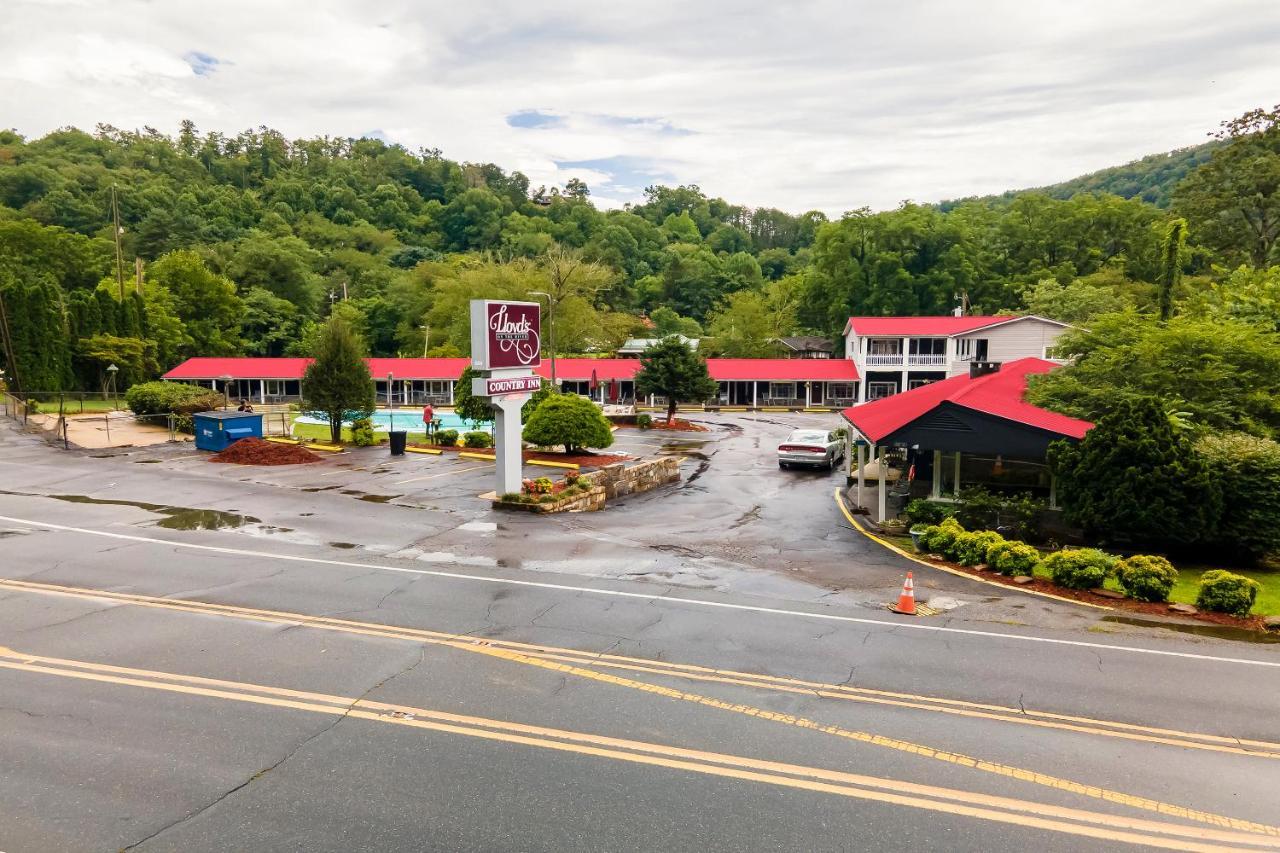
(896, 354)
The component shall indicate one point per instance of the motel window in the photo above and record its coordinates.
(885, 346)
(275, 388)
(782, 390)
(877, 390)
(928, 346)
(840, 391)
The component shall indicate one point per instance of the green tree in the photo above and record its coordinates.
(205, 302)
(1173, 252)
(468, 406)
(269, 324)
(1135, 475)
(570, 420)
(672, 369)
(667, 322)
(1233, 201)
(1077, 301)
(336, 385)
(745, 327)
(1225, 375)
(1245, 295)
(1247, 469)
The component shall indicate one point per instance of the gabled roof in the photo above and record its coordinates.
(999, 394)
(941, 327)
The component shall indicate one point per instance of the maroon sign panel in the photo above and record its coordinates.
(505, 335)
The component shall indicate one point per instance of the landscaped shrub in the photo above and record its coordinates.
(1012, 558)
(570, 420)
(447, 437)
(1247, 468)
(158, 398)
(937, 538)
(540, 486)
(1078, 568)
(644, 420)
(477, 438)
(1226, 592)
(978, 509)
(362, 432)
(922, 511)
(1146, 578)
(970, 549)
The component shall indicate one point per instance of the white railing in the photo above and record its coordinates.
(924, 359)
(881, 360)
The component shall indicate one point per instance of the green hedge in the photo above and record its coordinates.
(1226, 593)
(1013, 558)
(1146, 578)
(970, 549)
(1079, 568)
(158, 398)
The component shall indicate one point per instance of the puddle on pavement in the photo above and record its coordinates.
(344, 545)
(702, 469)
(1221, 632)
(146, 462)
(319, 488)
(177, 517)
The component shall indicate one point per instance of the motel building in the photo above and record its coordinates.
(883, 356)
(744, 382)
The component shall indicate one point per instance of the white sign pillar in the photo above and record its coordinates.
(506, 441)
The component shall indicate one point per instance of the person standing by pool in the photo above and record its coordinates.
(428, 415)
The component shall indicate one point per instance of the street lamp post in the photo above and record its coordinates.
(112, 370)
(551, 330)
(426, 339)
(391, 402)
(226, 385)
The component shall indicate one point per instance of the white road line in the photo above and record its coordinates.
(441, 474)
(724, 605)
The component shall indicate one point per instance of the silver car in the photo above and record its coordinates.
(811, 447)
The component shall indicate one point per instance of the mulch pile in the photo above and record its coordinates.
(255, 451)
(678, 424)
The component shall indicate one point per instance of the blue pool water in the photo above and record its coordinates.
(410, 420)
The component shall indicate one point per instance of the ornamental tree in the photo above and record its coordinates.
(1135, 475)
(337, 385)
(672, 369)
(568, 419)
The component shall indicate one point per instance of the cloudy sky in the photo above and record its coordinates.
(798, 105)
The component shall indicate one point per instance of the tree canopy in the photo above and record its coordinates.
(672, 369)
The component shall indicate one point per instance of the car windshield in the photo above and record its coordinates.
(808, 435)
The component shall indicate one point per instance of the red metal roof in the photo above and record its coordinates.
(1000, 394)
(571, 369)
(919, 326)
(782, 369)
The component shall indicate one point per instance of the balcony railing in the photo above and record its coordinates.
(923, 359)
(884, 359)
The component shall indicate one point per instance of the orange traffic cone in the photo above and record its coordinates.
(907, 599)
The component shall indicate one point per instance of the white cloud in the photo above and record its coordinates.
(828, 105)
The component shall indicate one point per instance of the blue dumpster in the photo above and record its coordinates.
(218, 430)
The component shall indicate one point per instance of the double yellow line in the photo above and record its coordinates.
(1097, 825)
(580, 664)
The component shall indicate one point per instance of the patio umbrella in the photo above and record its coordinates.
(595, 383)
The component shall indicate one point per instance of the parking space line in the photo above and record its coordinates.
(441, 474)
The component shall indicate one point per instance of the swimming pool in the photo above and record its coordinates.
(409, 420)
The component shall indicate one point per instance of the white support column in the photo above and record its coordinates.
(882, 472)
(452, 382)
(508, 449)
(862, 464)
(937, 475)
(955, 485)
(808, 394)
(755, 386)
(262, 391)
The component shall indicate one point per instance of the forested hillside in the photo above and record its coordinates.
(1150, 179)
(244, 244)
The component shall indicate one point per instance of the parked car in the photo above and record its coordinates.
(811, 447)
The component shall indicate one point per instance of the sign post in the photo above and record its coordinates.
(506, 346)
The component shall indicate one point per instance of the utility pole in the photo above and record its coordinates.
(115, 218)
(137, 268)
(426, 339)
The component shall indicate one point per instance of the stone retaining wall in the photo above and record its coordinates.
(620, 479)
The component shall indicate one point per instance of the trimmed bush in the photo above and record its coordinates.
(447, 437)
(937, 538)
(970, 549)
(1078, 568)
(569, 420)
(477, 438)
(1146, 578)
(644, 420)
(1226, 592)
(158, 398)
(362, 432)
(1012, 558)
(922, 511)
(1247, 468)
